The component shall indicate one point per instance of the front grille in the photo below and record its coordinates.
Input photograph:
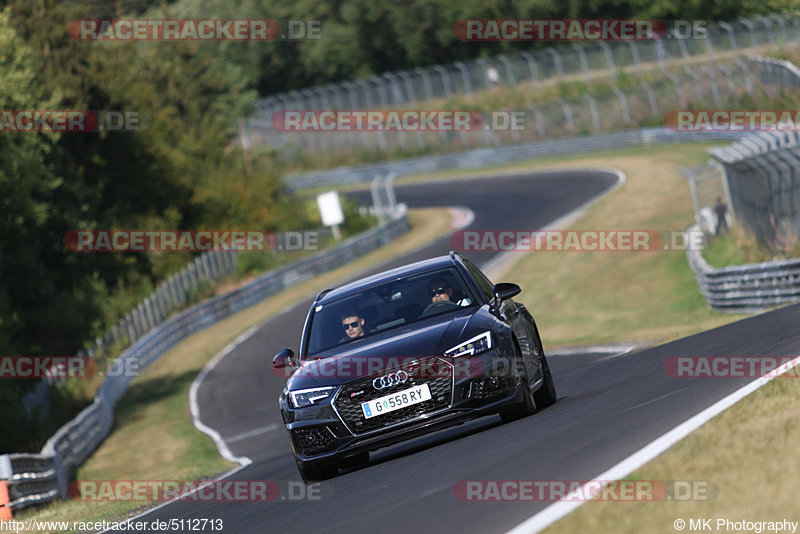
(440, 384)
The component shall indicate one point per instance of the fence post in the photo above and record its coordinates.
(584, 63)
(539, 121)
(426, 82)
(731, 36)
(747, 81)
(395, 84)
(751, 29)
(612, 68)
(623, 104)
(448, 89)
(593, 110)
(531, 66)
(768, 25)
(464, 76)
(557, 61)
(651, 97)
(567, 114)
(693, 75)
(512, 79)
(636, 61)
(714, 87)
(410, 93)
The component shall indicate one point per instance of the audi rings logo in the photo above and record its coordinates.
(392, 379)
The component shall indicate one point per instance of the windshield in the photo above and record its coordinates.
(391, 305)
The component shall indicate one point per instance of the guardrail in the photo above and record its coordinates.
(745, 288)
(481, 157)
(41, 478)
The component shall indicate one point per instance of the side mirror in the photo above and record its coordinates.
(283, 358)
(504, 291)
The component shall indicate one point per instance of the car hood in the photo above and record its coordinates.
(379, 352)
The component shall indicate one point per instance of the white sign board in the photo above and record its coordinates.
(330, 209)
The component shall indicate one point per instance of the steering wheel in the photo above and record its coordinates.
(438, 306)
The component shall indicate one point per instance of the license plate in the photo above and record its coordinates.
(395, 401)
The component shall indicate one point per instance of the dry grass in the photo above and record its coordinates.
(582, 297)
(747, 452)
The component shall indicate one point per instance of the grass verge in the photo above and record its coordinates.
(590, 297)
(737, 247)
(745, 453)
(153, 436)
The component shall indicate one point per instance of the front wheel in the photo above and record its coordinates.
(317, 470)
(528, 404)
(546, 395)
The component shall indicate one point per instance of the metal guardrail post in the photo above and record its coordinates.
(374, 188)
(534, 69)
(392, 200)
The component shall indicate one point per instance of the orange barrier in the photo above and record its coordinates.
(5, 511)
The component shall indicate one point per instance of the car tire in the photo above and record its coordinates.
(546, 395)
(317, 471)
(527, 406)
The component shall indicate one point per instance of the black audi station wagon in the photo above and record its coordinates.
(407, 352)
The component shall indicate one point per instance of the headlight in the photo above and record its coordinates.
(475, 345)
(306, 397)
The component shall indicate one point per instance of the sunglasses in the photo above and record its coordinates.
(437, 291)
(348, 326)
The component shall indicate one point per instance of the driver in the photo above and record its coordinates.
(353, 325)
(439, 290)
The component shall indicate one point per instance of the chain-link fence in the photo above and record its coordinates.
(709, 190)
(700, 70)
(763, 171)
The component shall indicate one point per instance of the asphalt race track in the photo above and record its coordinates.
(609, 405)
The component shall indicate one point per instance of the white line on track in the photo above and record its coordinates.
(222, 447)
(251, 433)
(651, 401)
(556, 511)
(498, 266)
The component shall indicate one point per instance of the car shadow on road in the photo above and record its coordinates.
(429, 441)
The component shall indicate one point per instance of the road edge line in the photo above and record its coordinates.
(501, 264)
(558, 510)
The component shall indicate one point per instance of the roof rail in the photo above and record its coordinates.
(323, 293)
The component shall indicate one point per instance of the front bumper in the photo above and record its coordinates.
(321, 431)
